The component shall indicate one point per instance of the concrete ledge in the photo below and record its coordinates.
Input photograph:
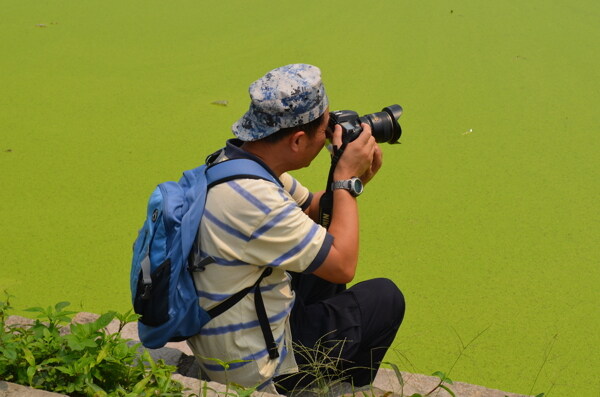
(416, 383)
(386, 384)
(179, 355)
(8, 389)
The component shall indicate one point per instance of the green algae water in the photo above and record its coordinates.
(486, 216)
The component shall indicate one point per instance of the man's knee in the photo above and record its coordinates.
(391, 298)
(382, 299)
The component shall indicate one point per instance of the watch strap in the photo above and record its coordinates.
(349, 185)
(345, 184)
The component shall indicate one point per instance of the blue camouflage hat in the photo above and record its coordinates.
(285, 97)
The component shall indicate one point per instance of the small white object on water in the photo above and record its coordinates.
(468, 132)
(221, 103)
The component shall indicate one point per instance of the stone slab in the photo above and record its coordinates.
(8, 389)
(179, 354)
(387, 380)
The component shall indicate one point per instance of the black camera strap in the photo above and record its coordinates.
(326, 202)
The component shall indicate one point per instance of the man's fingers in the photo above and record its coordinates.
(366, 133)
(377, 159)
(336, 139)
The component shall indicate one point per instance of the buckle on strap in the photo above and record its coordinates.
(200, 266)
(263, 319)
(147, 291)
(146, 268)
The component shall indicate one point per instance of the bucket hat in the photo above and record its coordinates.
(285, 97)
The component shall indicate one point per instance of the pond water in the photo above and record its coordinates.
(486, 216)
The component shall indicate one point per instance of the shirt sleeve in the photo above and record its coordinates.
(286, 237)
(299, 193)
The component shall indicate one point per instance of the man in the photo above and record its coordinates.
(251, 225)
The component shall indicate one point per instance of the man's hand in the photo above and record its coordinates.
(362, 157)
(376, 163)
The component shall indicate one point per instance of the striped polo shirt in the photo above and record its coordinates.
(247, 225)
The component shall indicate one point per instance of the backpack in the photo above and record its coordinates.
(163, 291)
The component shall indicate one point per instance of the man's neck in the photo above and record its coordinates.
(270, 154)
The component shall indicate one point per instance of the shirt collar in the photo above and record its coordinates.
(233, 150)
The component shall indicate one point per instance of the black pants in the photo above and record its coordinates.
(354, 327)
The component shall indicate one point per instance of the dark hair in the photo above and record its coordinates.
(310, 128)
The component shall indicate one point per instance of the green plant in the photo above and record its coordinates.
(444, 380)
(443, 383)
(544, 361)
(86, 361)
(323, 369)
(238, 390)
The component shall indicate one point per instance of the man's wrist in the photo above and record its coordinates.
(353, 185)
(340, 176)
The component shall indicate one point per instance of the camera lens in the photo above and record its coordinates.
(384, 124)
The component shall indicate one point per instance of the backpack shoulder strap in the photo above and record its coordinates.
(245, 169)
(196, 183)
(199, 180)
(238, 169)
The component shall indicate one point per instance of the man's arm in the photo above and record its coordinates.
(313, 209)
(363, 158)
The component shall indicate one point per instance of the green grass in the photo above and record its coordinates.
(86, 360)
(494, 228)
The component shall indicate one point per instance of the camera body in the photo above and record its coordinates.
(384, 124)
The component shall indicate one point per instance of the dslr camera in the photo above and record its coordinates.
(384, 124)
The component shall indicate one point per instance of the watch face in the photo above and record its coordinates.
(357, 186)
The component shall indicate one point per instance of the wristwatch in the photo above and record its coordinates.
(354, 185)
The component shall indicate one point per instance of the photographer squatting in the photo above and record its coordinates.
(249, 225)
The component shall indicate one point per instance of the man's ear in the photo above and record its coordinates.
(297, 140)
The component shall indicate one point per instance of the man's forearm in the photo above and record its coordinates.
(313, 209)
(344, 226)
(340, 264)
(344, 217)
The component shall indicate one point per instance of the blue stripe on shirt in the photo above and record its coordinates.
(306, 204)
(321, 255)
(294, 186)
(225, 227)
(265, 384)
(225, 329)
(283, 194)
(246, 360)
(221, 297)
(262, 230)
(249, 197)
(284, 352)
(223, 261)
(305, 241)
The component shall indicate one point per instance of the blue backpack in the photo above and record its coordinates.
(162, 286)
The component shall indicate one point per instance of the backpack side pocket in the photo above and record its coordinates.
(153, 302)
